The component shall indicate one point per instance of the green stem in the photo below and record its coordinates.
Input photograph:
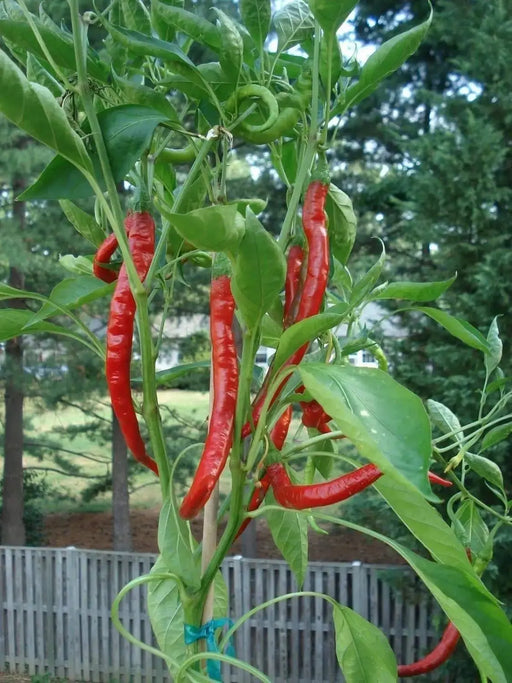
(309, 153)
(150, 403)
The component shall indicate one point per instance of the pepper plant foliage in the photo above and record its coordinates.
(142, 111)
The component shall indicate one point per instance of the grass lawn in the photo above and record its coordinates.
(48, 427)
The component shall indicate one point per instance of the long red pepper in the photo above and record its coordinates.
(102, 257)
(225, 389)
(440, 654)
(314, 224)
(301, 497)
(141, 239)
(292, 283)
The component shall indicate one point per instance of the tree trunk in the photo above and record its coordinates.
(122, 532)
(13, 527)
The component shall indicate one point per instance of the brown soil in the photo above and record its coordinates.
(93, 530)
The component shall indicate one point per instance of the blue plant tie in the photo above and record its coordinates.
(207, 631)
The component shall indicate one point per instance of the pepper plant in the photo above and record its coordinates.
(142, 112)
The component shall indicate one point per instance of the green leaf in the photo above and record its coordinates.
(323, 463)
(71, 293)
(38, 74)
(78, 265)
(289, 530)
(256, 16)
(168, 376)
(293, 23)
(271, 331)
(259, 271)
(443, 418)
(493, 358)
(386, 422)
(176, 545)
(303, 332)
(166, 612)
(127, 132)
(33, 108)
(83, 222)
(212, 228)
(135, 93)
(485, 468)
(231, 53)
(386, 59)
(475, 531)
(13, 322)
(342, 223)
(363, 651)
(58, 43)
(331, 15)
(136, 16)
(8, 292)
(363, 286)
(496, 435)
(414, 291)
(195, 26)
(458, 328)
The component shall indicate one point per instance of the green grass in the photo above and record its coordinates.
(44, 426)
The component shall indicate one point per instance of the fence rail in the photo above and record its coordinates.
(55, 615)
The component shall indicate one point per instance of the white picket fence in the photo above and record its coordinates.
(55, 616)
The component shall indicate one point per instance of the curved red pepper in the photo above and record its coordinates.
(440, 654)
(292, 283)
(315, 282)
(141, 238)
(225, 389)
(102, 257)
(303, 496)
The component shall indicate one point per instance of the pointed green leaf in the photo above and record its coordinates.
(363, 286)
(342, 223)
(33, 108)
(213, 228)
(127, 132)
(303, 332)
(83, 222)
(415, 291)
(69, 294)
(443, 418)
(386, 422)
(135, 93)
(294, 23)
(476, 533)
(493, 358)
(496, 435)
(231, 52)
(13, 322)
(256, 16)
(289, 530)
(485, 468)
(386, 59)
(168, 376)
(195, 26)
(259, 271)
(38, 74)
(331, 15)
(363, 651)
(59, 44)
(136, 16)
(458, 328)
(176, 545)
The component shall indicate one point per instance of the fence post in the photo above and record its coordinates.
(73, 586)
(359, 596)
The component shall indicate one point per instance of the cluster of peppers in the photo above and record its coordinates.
(306, 282)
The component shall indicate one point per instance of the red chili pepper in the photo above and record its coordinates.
(301, 497)
(292, 283)
(102, 257)
(315, 282)
(280, 431)
(225, 389)
(440, 654)
(436, 479)
(141, 239)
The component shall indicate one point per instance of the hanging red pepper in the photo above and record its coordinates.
(102, 257)
(141, 239)
(440, 654)
(225, 389)
(301, 497)
(292, 283)
(314, 223)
